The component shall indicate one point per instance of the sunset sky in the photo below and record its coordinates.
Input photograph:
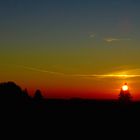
(71, 48)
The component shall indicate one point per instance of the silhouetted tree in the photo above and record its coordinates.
(12, 96)
(10, 90)
(38, 95)
(38, 101)
(25, 91)
(125, 96)
(26, 94)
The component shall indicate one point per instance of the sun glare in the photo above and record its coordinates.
(125, 87)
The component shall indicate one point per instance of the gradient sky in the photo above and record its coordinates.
(71, 48)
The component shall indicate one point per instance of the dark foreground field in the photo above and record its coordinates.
(71, 116)
(73, 109)
(19, 110)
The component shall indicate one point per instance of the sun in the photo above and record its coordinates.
(125, 87)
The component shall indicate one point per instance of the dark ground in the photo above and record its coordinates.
(18, 110)
(72, 117)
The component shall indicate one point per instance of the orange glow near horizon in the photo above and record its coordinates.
(54, 85)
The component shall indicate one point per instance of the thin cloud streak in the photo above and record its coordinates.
(41, 70)
(109, 40)
(87, 75)
(92, 35)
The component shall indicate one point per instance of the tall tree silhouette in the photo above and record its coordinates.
(38, 101)
(125, 95)
(38, 95)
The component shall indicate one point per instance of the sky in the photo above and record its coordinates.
(71, 48)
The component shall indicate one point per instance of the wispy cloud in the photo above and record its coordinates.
(131, 73)
(109, 40)
(41, 70)
(92, 35)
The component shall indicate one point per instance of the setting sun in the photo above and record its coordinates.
(125, 87)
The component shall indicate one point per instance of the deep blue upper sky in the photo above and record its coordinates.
(86, 15)
(67, 23)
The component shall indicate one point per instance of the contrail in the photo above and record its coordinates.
(41, 70)
(82, 75)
